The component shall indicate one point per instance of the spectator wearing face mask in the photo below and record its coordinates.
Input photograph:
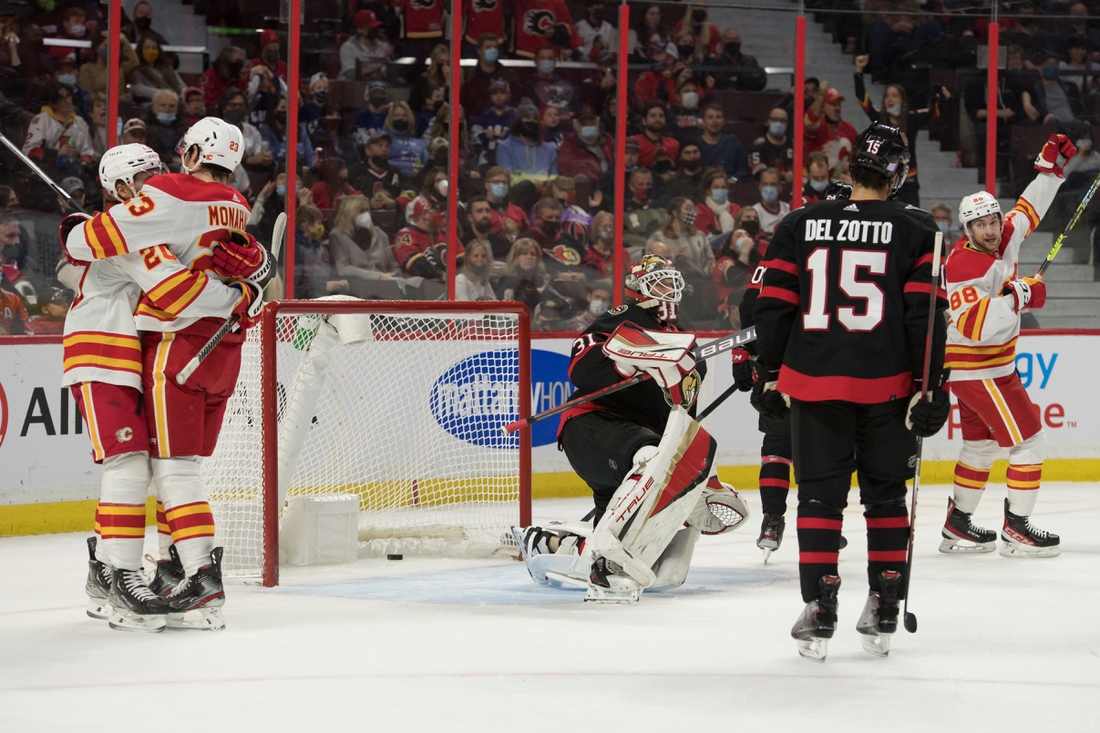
(770, 208)
(479, 225)
(73, 28)
(508, 218)
(587, 152)
(333, 186)
(691, 252)
(314, 108)
(561, 253)
(494, 123)
(738, 70)
(775, 148)
(717, 213)
(596, 34)
(368, 45)
(684, 120)
(523, 152)
(688, 179)
(372, 120)
(598, 298)
(734, 263)
(360, 250)
(163, 126)
(432, 198)
(153, 72)
(642, 216)
(655, 150)
(480, 83)
(941, 212)
(657, 84)
(273, 132)
(1084, 166)
(576, 221)
(605, 186)
(223, 74)
(546, 87)
(408, 153)
(696, 39)
(376, 174)
(233, 108)
(817, 177)
(600, 255)
(267, 77)
(142, 25)
(314, 274)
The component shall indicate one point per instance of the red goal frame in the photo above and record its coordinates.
(273, 310)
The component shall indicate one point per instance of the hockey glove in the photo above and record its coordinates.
(665, 356)
(1057, 151)
(926, 417)
(240, 257)
(742, 370)
(767, 400)
(1027, 292)
(250, 307)
(70, 222)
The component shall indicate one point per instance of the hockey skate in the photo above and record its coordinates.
(98, 585)
(133, 606)
(609, 584)
(961, 537)
(167, 574)
(196, 602)
(879, 619)
(816, 625)
(1022, 540)
(771, 534)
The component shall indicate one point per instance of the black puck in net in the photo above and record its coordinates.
(395, 557)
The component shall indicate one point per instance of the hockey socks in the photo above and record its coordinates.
(164, 533)
(887, 542)
(121, 531)
(969, 484)
(1023, 483)
(192, 527)
(775, 483)
(818, 545)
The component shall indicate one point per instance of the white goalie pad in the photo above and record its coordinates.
(720, 509)
(645, 514)
(672, 566)
(635, 349)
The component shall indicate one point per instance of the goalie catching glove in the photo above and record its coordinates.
(663, 355)
(926, 417)
(250, 307)
(240, 257)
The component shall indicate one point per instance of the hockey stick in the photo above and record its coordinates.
(704, 351)
(278, 234)
(1065, 232)
(910, 619)
(41, 174)
(717, 403)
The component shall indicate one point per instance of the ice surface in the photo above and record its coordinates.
(451, 645)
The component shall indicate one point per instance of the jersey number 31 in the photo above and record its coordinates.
(852, 261)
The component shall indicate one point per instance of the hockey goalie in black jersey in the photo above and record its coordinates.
(649, 464)
(841, 321)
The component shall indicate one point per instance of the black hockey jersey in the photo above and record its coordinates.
(590, 370)
(843, 305)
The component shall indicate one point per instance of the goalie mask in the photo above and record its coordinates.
(654, 281)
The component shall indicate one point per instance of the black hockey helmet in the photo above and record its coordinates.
(838, 190)
(884, 149)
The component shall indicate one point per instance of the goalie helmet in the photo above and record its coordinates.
(649, 271)
(884, 149)
(219, 143)
(123, 162)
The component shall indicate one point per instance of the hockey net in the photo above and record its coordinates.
(398, 403)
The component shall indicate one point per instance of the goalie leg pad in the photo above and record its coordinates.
(566, 562)
(672, 566)
(188, 514)
(719, 509)
(120, 515)
(646, 513)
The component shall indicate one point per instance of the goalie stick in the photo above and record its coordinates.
(278, 234)
(700, 352)
(41, 174)
(1065, 232)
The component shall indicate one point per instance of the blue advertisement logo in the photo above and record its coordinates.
(550, 387)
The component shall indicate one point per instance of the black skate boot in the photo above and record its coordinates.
(609, 583)
(167, 574)
(1022, 540)
(817, 623)
(98, 585)
(196, 603)
(133, 606)
(771, 534)
(961, 537)
(879, 619)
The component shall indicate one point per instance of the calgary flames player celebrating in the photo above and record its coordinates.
(986, 296)
(649, 464)
(196, 220)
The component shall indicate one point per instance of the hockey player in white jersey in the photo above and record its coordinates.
(102, 355)
(986, 294)
(197, 219)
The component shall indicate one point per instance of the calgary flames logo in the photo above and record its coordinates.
(485, 6)
(538, 22)
(125, 435)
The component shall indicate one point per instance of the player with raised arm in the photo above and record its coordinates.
(649, 464)
(846, 279)
(986, 295)
(103, 364)
(197, 219)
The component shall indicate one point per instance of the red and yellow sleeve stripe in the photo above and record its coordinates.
(971, 358)
(1024, 207)
(971, 320)
(102, 351)
(103, 237)
(173, 294)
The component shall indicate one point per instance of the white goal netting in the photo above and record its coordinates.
(401, 410)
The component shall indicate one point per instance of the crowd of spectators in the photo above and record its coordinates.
(709, 154)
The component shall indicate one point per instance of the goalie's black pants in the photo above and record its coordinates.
(830, 440)
(600, 448)
(775, 465)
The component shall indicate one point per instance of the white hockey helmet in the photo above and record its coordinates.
(649, 271)
(977, 205)
(219, 143)
(123, 162)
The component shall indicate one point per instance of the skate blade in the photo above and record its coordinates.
(152, 624)
(875, 644)
(767, 553)
(814, 648)
(597, 594)
(99, 609)
(953, 546)
(197, 619)
(1013, 549)
(553, 577)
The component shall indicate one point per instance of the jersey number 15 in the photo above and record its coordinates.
(851, 262)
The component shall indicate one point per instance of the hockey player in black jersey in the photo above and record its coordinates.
(649, 464)
(841, 321)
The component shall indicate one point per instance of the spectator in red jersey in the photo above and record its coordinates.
(508, 218)
(544, 23)
(588, 152)
(481, 18)
(73, 28)
(826, 131)
(224, 73)
(13, 314)
(193, 106)
(600, 254)
(656, 151)
(656, 84)
(421, 26)
(416, 248)
(333, 186)
(717, 213)
(695, 37)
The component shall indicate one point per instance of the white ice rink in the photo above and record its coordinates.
(432, 645)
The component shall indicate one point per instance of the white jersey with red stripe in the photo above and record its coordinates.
(981, 338)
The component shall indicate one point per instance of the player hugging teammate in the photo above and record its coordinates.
(841, 322)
